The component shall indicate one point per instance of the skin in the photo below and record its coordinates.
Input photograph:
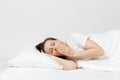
(51, 47)
(58, 48)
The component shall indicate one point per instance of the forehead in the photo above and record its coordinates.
(47, 45)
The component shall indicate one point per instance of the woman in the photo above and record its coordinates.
(76, 47)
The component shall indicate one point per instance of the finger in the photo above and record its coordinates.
(60, 48)
(61, 51)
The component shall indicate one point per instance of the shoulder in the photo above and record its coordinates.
(71, 40)
(77, 39)
(92, 44)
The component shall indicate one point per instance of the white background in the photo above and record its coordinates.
(26, 22)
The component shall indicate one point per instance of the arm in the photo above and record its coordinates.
(91, 50)
(67, 64)
(90, 53)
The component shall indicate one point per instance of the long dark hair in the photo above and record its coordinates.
(41, 45)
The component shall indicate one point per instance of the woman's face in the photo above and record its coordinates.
(50, 47)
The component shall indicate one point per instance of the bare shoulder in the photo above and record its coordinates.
(92, 44)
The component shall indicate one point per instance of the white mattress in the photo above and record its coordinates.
(49, 74)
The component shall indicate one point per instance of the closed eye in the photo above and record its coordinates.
(53, 43)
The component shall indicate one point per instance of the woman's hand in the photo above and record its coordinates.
(66, 64)
(65, 49)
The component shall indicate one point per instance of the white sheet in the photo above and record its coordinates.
(97, 70)
(101, 65)
(110, 41)
(49, 74)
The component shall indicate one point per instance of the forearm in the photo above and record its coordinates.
(67, 64)
(87, 54)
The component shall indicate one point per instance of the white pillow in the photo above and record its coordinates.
(31, 57)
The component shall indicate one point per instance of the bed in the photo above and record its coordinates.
(32, 65)
(51, 74)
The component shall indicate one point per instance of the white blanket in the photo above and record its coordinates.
(47, 74)
(110, 41)
(102, 65)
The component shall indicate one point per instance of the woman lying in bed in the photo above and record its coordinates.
(76, 47)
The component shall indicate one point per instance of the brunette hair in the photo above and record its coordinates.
(40, 46)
